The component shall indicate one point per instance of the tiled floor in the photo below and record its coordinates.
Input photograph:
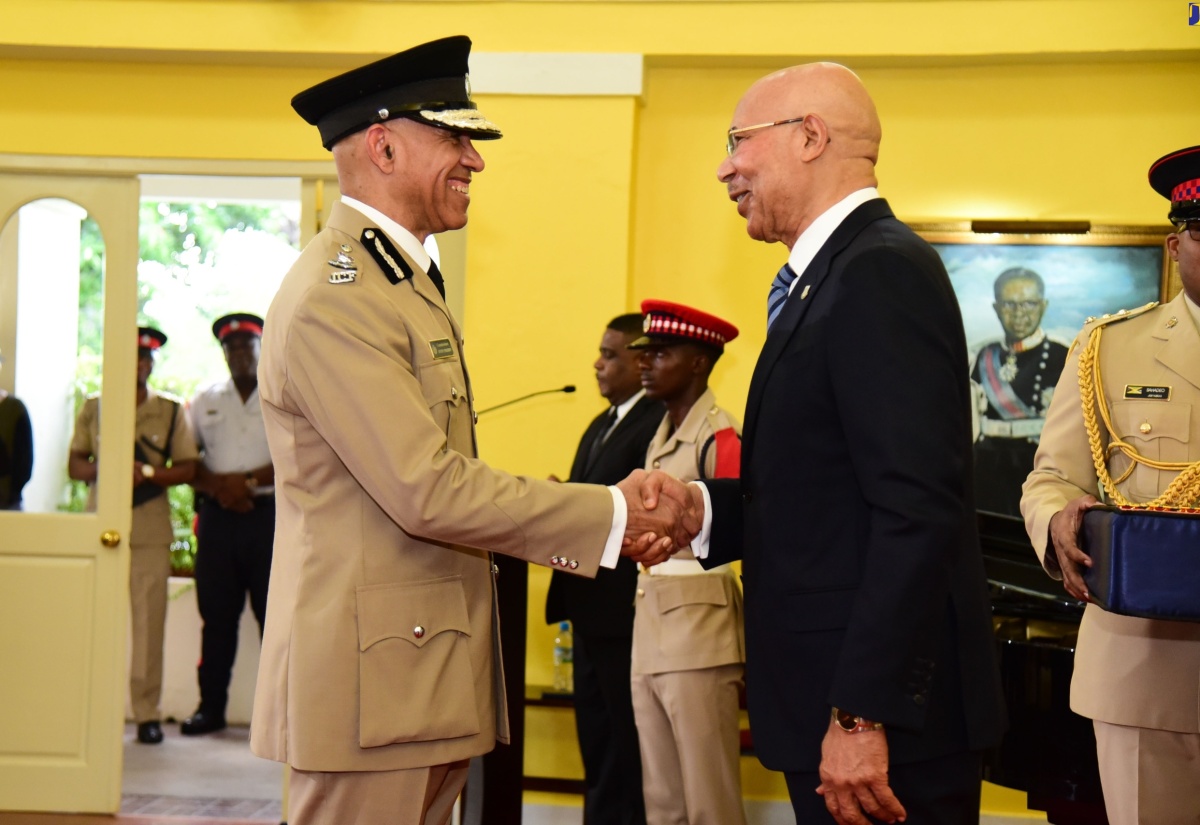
(215, 780)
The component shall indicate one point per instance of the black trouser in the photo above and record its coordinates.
(233, 558)
(940, 791)
(608, 739)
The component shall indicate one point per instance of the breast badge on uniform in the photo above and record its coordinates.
(345, 270)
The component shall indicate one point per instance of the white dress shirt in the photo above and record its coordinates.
(229, 431)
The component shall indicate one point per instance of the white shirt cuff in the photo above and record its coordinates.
(612, 548)
(700, 543)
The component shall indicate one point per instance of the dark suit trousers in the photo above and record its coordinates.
(607, 734)
(233, 558)
(940, 791)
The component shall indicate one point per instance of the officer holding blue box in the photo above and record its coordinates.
(1127, 427)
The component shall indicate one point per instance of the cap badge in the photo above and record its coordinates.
(646, 324)
(345, 270)
(383, 114)
(1172, 321)
(467, 83)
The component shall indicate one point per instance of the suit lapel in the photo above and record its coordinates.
(808, 285)
(1181, 343)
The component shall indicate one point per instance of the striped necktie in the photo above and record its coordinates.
(778, 295)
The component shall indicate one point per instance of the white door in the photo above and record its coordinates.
(64, 576)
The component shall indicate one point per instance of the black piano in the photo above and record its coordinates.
(1049, 752)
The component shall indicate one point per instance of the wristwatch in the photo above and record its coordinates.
(853, 724)
(148, 470)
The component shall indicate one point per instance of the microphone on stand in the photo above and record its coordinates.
(567, 388)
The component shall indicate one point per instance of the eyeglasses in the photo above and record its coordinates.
(1191, 227)
(734, 136)
(1027, 306)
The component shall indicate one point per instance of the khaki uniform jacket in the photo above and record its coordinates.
(151, 519)
(691, 621)
(380, 650)
(1128, 671)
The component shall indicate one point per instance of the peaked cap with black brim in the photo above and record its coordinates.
(427, 83)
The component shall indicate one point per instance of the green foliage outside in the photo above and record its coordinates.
(198, 261)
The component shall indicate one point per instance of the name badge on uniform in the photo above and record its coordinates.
(1143, 391)
(441, 348)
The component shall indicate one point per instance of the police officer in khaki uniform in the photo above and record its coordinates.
(688, 650)
(1138, 679)
(164, 455)
(380, 670)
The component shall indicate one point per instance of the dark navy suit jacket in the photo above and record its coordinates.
(854, 514)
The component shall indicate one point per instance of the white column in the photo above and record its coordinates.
(47, 339)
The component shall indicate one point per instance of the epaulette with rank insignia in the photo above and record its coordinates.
(1119, 315)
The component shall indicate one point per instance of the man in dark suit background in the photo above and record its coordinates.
(601, 609)
(871, 671)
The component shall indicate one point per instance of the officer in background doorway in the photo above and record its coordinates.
(164, 454)
(235, 509)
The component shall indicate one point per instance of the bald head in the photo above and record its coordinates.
(784, 177)
(834, 94)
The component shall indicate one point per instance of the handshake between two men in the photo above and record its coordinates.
(663, 515)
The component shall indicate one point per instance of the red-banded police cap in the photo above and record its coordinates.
(427, 83)
(244, 322)
(1176, 176)
(150, 338)
(665, 322)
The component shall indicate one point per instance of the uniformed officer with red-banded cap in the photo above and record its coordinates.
(164, 455)
(688, 663)
(235, 509)
(1139, 447)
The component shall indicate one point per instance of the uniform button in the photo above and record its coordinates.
(418, 632)
(1145, 428)
(641, 592)
(495, 570)
(573, 564)
(554, 559)
(454, 392)
(562, 561)
(657, 465)
(475, 417)
(919, 699)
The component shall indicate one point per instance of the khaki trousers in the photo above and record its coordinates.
(149, 569)
(417, 796)
(1150, 777)
(688, 733)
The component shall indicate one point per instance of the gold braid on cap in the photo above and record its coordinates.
(1183, 493)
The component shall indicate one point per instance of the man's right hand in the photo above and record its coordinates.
(231, 492)
(664, 514)
(1064, 540)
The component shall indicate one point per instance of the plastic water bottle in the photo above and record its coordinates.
(564, 659)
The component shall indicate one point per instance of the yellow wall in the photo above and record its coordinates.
(1023, 109)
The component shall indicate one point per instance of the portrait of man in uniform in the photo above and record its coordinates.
(1014, 380)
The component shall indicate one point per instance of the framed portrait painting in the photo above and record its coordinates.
(1024, 296)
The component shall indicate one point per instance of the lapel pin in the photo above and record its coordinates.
(804, 294)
